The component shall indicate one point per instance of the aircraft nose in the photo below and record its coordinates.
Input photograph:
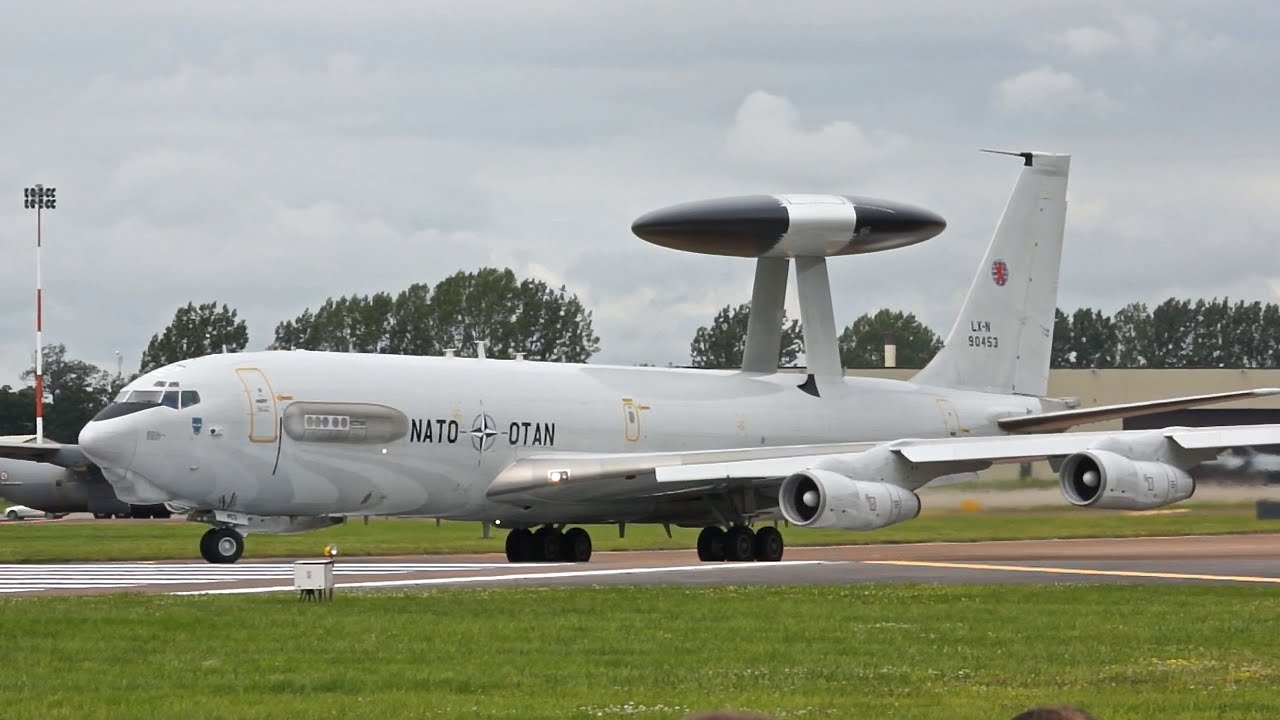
(110, 443)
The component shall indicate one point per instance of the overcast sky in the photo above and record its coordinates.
(271, 155)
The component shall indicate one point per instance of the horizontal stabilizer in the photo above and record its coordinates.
(1064, 419)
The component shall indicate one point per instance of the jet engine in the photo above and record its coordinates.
(816, 498)
(1102, 479)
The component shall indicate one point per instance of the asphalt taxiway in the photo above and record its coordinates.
(1228, 559)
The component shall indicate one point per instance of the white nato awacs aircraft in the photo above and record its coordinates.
(293, 440)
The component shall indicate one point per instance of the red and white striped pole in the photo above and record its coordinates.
(39, 198)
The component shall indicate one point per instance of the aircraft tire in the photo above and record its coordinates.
(102, 516)
(221, 545)
(769, 545)
(711, 543)
(549, 544)
(740, 544)
(577, 545)
(519, 546)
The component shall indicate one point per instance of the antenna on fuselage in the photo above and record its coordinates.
(775, 229)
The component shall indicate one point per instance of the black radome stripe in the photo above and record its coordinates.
(744, 226)
(883, 225)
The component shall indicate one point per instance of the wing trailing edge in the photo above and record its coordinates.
(1064, 419)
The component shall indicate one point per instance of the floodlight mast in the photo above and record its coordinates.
(39, 198)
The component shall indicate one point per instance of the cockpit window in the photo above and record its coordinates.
(132, 401)
(170, 399)
(189, 398)
(151, 397)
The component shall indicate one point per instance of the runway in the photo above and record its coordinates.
(1230, 559)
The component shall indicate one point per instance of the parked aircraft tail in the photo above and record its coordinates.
(1003, 336)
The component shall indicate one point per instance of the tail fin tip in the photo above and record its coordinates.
(1002, 338)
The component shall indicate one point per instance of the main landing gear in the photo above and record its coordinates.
(739, 544)
(221, 545)
(549, 544)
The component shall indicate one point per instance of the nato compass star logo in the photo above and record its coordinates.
(999, 273)
(483, 431)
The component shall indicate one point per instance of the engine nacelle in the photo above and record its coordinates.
(816, 498)
(1102, 479)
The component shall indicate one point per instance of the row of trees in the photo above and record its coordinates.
(511, 315)
(720, 344)
(1175, 334)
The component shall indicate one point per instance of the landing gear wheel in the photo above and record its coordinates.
(711, 544)
(739, 544)
(577, 545)
(768, 545)
(102, 516)
(221, 545)
(548, 543)
(519, 546)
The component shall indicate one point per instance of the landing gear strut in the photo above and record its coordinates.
(549, 544)
(739, 544)
(221, 545)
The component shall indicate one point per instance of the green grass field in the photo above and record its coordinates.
(33, 541)
(862, 651)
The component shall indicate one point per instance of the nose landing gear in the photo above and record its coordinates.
(221, 545)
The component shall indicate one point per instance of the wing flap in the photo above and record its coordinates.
(1064, 419)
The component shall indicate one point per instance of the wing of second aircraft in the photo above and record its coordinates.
(68, 456)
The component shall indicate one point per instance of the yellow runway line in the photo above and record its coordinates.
(1077, 571)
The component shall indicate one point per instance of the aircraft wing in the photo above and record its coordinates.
(1063, 419)
(576, 478)
(68, 456)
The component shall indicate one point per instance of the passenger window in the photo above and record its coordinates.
(170, 399)
(189, 398)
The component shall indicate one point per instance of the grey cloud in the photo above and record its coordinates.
(270, 156)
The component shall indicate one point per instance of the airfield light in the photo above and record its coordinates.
(331, 550)
(39, 198)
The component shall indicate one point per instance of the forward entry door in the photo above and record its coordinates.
(264, 417)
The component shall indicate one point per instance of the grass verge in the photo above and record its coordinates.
(59, 541)
(866, 651)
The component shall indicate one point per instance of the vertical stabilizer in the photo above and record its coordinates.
(1002, 339)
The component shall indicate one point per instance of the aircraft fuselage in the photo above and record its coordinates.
(305, 433)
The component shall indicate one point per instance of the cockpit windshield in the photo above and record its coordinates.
(132, 401)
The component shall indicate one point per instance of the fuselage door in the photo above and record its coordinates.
(950, 419)
(264, 417)
(631, 420)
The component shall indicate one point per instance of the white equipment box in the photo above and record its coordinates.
(313, 578)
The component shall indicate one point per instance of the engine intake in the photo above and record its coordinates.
(816, 498)
(1102, 479)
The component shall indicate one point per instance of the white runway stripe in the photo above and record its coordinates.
(48, 576)
(519, 576)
